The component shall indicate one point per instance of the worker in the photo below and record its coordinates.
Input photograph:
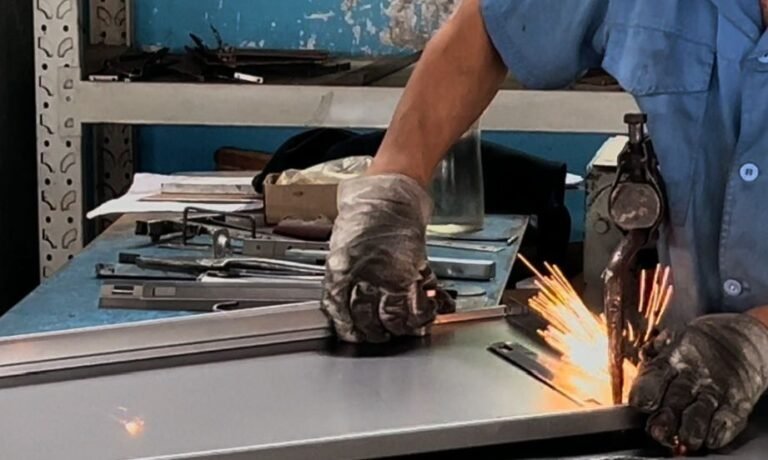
(699, 69)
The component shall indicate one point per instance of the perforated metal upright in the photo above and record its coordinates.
(113, 154)
(59, 137)
(58, 56)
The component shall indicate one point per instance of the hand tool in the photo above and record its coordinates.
(227, 265)
(637, 207)
(132, 272)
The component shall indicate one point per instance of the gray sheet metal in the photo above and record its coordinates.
(443, 393)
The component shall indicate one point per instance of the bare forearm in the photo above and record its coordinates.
(455, 80)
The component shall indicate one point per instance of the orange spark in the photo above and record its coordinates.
(581, 338)
(134, 427)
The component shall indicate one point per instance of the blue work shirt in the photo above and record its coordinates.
(699, 69)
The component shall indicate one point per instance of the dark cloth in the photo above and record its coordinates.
(515, 182)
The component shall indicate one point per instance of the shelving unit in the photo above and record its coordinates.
(65, 102)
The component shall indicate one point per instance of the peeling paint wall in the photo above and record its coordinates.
(360, 27)
(412, 22)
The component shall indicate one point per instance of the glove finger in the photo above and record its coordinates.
(335, 304)
(364, 309)
(727, 423)
(697, 419)
(649, 387)
(660, 342)
(393, 311)
(664, 425)
(408, 314)
(444, 303)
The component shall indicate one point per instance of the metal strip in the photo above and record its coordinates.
(203, 333)
(204, 297)
(278, 248)
(463, 269)
(530, 362)
(161, 338)
(443, 267)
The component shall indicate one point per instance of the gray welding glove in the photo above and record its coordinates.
(377, 282)
(701, 383)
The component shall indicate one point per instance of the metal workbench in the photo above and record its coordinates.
(318, 399)
(70, 299)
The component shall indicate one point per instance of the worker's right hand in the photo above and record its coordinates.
(377, 282)
(700, 383)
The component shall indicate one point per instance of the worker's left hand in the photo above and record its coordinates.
(378, 284)
(701, 383)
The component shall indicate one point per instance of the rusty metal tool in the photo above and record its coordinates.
(637, 207)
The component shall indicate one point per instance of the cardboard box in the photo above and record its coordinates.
(300, 201)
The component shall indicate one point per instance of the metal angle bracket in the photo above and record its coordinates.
(125, 343)
(190, 335)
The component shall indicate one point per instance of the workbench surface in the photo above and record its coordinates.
(323, 401)
(70, 298)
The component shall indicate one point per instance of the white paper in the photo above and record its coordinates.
(573, 180)
(146, 185)
(608, 154)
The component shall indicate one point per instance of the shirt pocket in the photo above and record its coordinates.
(670, 77)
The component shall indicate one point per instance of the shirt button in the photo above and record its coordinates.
(763, 59)
(733, 288)
(749, 172)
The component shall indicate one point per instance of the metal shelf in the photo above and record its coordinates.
(65, 104)
(323, 106)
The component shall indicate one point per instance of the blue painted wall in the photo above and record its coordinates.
(357, 27)
(335, 25)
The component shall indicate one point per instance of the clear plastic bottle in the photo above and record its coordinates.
(457, 188)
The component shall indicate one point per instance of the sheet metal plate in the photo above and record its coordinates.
(443, 393)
